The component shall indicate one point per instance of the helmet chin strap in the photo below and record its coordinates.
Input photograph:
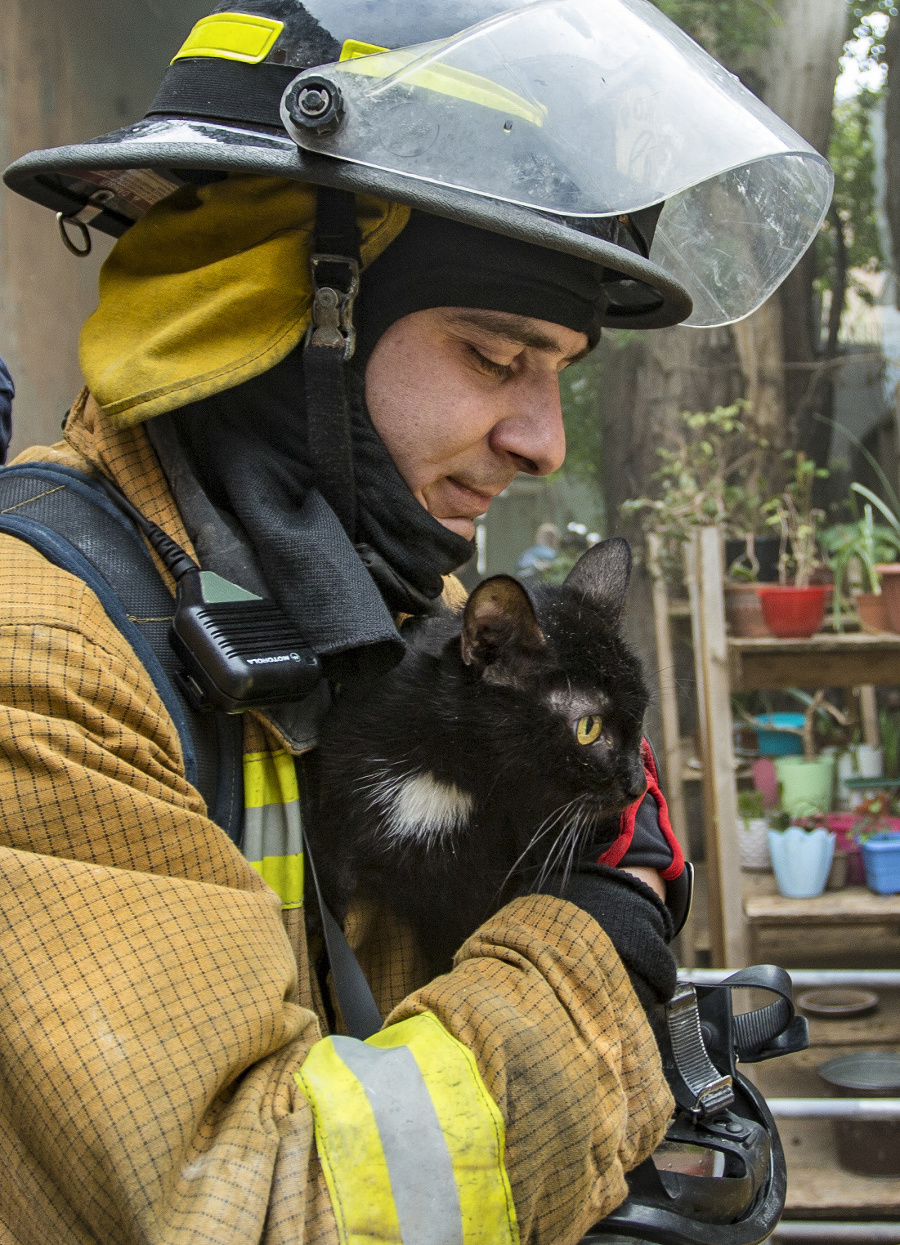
(330, 342)
(329, 345)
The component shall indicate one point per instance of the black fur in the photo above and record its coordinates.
(486, 703)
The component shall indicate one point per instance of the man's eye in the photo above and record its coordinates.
(588, 729)
(500, 370)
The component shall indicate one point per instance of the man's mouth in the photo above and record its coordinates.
(470, 502)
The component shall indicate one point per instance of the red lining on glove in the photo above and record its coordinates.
(616, 851)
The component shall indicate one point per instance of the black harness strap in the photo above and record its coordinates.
(74, 522)
(354, 994)
(69, 518)
(334, 271)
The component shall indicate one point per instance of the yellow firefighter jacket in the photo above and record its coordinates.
(165, 1073)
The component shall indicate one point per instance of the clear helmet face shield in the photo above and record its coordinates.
(594, 108)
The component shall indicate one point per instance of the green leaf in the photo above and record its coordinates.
(876, 501)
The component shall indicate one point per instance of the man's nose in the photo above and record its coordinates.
(532, 432)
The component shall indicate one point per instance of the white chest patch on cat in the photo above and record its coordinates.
(420, 807)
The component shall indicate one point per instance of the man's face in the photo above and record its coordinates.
(466, 399)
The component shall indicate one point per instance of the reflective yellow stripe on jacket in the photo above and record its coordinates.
(272, 839)
(410, 1141)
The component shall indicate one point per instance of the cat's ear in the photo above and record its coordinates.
(602, 575)
(499, 621)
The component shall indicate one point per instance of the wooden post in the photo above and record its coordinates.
(671, 729)
(868, 711)
(705, 575)
(668, 696)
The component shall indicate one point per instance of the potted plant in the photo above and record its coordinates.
(750, 558)
(876, 832)
(856, 762)
(889, 572)
(806, 782)
(881, 861)
(710, 474)
(795, 607)
(753, 831)
(857, 549)
(801, 857)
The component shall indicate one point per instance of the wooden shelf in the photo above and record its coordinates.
(824, 660)
(819, 1189)
(855, 905)
(723, 665)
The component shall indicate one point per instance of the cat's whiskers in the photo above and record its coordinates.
(548, 824)
(559, 845)
(568, 842)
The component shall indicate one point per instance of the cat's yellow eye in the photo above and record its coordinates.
(588, 729)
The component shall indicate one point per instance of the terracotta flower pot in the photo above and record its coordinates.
(872, 610)
(890, 590)
(793, 613)
(743, 611)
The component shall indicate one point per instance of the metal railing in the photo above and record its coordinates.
(802, 1230)
(835, 1108)
(872, 979)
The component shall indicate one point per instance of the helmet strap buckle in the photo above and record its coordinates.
(332, 308)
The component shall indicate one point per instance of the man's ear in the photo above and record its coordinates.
(602, 575)
(499, 621)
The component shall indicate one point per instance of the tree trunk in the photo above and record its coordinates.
(646, 383)
(892, 140)
(797, 74)
(759, 346)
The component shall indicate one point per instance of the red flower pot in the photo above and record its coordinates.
(793, 613)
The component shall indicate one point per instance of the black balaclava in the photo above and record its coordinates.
(441, 263)
(248, 446)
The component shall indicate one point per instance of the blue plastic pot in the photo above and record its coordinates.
(779, 743)
(801, 860)
(881, 861)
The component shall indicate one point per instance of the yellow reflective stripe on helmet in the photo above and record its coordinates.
(272, 837)
(354, 48)
(412, 1097)
(445, 80)
(232, 37)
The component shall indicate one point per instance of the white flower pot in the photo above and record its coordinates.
(753, 843)
(859, 761)
(801, 860)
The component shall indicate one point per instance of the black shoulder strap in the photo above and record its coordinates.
(70, 519)
(358, 1006)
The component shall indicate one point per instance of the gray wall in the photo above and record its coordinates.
(69, 69)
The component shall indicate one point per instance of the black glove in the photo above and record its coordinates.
(651, 849)
(637, 923)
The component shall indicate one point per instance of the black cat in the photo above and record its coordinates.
(506, 741)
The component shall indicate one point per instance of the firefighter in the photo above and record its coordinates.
(357, 244)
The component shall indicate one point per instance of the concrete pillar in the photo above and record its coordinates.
(69, 70)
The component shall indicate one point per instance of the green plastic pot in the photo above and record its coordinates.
(806, 786)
